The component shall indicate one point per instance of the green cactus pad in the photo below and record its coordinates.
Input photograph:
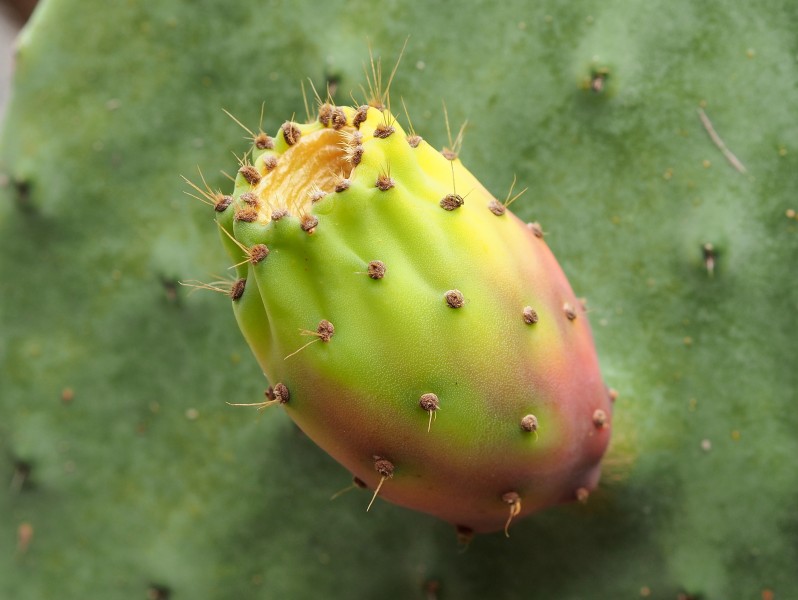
(124, 473)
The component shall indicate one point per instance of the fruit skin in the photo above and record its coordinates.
(356, 393)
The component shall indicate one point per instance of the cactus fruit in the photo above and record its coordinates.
(379, 284)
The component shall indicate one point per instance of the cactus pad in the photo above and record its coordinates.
(123, 473)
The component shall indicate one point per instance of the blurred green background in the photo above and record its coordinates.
(126, 474)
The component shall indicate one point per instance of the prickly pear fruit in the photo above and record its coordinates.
(410, 324)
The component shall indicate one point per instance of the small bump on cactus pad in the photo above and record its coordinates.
(524, 412)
